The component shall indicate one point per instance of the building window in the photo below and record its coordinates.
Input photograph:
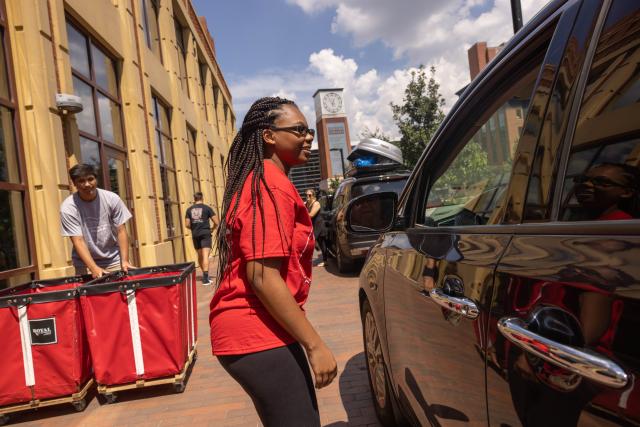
(101, 135)
(202, 66)
(168, 179)
(149, 20)
(193, 158)
(212, 171)
(181, 45)
(16, 237)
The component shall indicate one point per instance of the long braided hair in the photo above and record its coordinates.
(246, 155)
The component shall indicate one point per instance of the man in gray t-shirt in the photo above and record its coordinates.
(95, 220)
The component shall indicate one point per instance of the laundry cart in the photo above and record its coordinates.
(43, 349)
(141, 327)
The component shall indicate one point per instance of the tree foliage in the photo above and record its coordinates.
(420, 114)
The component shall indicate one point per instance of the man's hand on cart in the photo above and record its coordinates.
(97, 272)
(126, 265)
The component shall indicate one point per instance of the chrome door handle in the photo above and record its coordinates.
(581, 361)
(460, 305)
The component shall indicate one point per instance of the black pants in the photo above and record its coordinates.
(279, 383)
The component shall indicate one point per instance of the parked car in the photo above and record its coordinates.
(346, 247)
(505, 288)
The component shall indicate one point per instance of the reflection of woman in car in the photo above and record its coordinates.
(608, 191)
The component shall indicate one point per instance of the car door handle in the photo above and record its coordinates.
(460, 305)
(581, 361)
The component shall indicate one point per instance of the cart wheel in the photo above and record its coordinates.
(4, 418)
(179, 387)
(110, 397)
(80, 405)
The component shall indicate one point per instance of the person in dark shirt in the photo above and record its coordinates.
(198, 219)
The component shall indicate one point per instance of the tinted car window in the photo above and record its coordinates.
(602, 179)
(396, 186)
(471, 189)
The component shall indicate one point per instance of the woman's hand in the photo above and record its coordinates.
(323, 364)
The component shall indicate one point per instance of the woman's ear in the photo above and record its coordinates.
(268, 136)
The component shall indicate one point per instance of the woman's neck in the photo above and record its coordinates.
(276, 161)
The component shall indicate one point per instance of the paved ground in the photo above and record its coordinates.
(212, 398)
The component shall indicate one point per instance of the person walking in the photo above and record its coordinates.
(198, 219)
(259, 331)
(313, 207)
(94, 219)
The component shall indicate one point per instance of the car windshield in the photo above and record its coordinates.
(377, 187)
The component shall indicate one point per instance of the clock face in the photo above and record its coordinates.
(332, 103)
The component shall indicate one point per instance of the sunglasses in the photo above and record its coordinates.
(300, 130)
(598, 181)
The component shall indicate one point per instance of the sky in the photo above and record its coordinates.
(292, 48)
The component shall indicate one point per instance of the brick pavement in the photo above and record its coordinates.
(212, 398)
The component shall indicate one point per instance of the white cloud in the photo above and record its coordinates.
(429, 32)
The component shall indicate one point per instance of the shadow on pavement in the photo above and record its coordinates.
(332, 268)
(354, 402)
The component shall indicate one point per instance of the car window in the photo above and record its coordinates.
(471, 189)
(602, 180)
(361, 189)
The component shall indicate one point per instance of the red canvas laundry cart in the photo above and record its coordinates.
(141, 327)
(44, 350)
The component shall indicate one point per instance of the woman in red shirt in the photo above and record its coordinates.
(265, 246)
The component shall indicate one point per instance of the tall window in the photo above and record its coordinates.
(149, 21)
(202, 67)
(181, 45)
(16, 242)
(212, 171)
(95, 81)
(169, 196)
(193, 158)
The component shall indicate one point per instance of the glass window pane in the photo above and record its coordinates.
(78, 51)
(110, 120)
(178, 251)
(603, 176)
(90, 152)
(158, 153)
(472, 188)
(105, 71)
(152, 23)
(4, 77)
(175, 214)
(86, 119)
(164, 183)
(194, 166)
(9, 171)
(14, 246)
(167, 151)
(172, 186)
(16, 280)
(117, 182)
(165, 123)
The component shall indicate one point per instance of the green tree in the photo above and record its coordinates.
(420, 114)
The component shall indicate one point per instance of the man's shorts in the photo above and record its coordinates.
(201, 242)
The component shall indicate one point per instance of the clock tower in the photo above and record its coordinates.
(334, 144)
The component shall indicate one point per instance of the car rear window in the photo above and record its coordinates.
(396, 186)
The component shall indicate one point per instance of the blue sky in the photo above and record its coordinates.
(369, 47)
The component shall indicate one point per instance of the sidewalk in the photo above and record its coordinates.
(212, 398)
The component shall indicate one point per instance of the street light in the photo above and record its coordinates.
(516, 15)
(341, 158)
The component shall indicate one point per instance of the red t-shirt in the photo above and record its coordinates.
(240, 324)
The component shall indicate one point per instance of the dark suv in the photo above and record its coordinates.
(506, 288)
(348, 248)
